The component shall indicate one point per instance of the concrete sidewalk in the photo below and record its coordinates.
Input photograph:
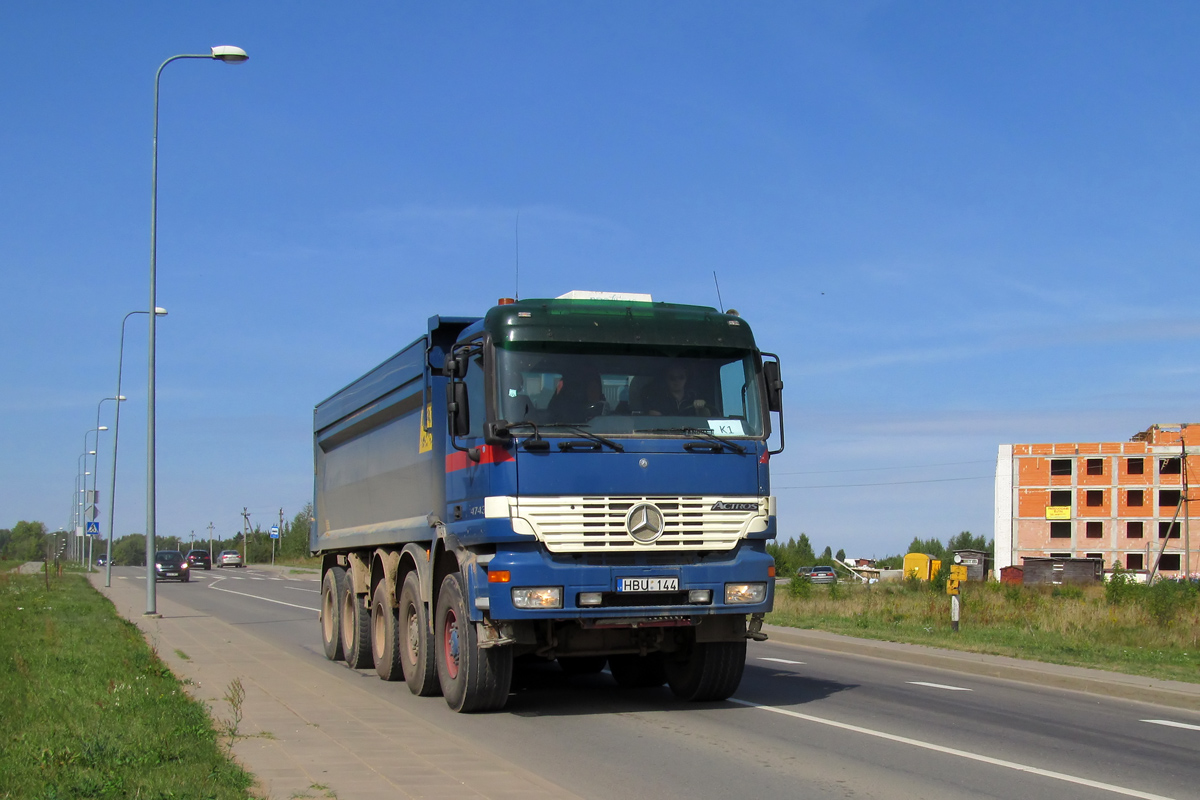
(305, 733)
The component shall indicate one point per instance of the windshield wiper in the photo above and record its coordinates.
(702, 434)
(579, 429)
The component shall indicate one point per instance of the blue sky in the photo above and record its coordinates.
(959, 224)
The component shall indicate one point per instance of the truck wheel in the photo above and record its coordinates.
(356, 629)
(416, 641)
(581, 665)
(385, 640)
(332, 586)
(712, 671)
(472, 678)
(632, 671)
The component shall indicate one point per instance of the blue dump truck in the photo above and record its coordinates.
(581, 479)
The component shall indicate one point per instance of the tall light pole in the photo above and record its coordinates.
(96, 467)
(112, 484)
(230, 55)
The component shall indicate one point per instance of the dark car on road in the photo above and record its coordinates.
(199, 559)
(818, 574)
(170, 565)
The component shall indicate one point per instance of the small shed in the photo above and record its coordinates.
(921, 565)
(1056, 571)
(1012, 575)
(977, 562)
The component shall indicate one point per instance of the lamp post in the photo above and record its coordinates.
(81, 487)
(112, 484)
(85, 545)
(230, 55)
(96, 467)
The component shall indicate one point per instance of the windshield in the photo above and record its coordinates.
(639, 391)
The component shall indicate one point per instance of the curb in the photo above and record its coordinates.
(1176, 694)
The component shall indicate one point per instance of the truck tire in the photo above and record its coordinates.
(632, 671)
(332, 586)
(472, 678)
(356, 629)
(711, 671)
(385, 638)
(416, 641)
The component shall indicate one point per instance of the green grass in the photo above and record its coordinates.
(1144, 634)
(90, 711)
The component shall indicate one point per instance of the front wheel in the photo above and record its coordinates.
(416, 641)
(710, 671)
(472, 678)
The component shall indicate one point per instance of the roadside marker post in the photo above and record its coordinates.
(958, 574)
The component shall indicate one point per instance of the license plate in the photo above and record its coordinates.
(647, 584)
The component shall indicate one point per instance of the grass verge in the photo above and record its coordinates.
(90, 711)
(1078, 626)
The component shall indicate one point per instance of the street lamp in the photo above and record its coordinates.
(86, 548)
(112, 485)
(96, 468)
(80, 488)
(230, 55)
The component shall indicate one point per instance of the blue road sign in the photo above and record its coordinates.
(93, 528)
(274, 531)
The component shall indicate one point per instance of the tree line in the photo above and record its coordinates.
(795, 553)
(27, 541)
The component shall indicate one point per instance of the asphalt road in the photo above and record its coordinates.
(805, 722)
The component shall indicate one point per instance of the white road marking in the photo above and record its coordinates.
(1172, 724)
(937, 748)
(779, 660)
(267, 599)
(314, 591)
(940, 686)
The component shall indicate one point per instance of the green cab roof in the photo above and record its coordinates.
(632, 322)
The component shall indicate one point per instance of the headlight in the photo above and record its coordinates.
(183, 565)
(157, 565)
(736, 593)
(538, 597)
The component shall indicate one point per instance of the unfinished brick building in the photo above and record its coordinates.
(1118, 501)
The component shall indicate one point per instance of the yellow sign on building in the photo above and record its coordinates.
(1058, 512)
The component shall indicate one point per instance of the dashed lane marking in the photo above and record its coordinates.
(779, 660)
(1172, 724)
(940, 686)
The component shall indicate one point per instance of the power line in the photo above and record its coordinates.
(876, 469)
(889, 483)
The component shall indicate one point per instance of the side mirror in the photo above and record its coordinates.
(497, 432)
(455, 368)
(774, 385)
(458, 410)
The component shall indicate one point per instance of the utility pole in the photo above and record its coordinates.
(245, 536)
(210, 530)
(280, 538)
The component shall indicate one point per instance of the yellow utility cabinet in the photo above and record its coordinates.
(922, 565)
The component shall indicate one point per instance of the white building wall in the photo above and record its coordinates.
(1003, 523)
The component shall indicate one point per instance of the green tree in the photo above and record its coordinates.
(827, 555)
(294, 537)
(933, 547)
(841, 555)
(26, 542)
(965, 541)
(130, 550)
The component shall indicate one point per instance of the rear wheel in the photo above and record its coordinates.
(711, 671)
(632, 671)
(472, 678)
(385, 641)
(332, 586)
(416, 641)
(356, 628)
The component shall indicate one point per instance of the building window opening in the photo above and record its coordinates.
(1134, 530)
(1060, 530)
(1060, 497)
(1095, 530)
(1058, 567)
(1168, 466)
(1169, 497)
(1095, 466)
(1060, 466)
(1169, 562)
(1136, 497)
(1097, 556)
(1094, 497)
(1168, 530)
(1135, 466)
(1134, 561)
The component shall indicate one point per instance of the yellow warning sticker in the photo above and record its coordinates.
(426, 429)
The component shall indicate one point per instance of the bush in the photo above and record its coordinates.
(800, 587)
(1067, 591)
(1166, 599)
(1121, 587)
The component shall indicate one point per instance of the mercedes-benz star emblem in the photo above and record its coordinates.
(644, 522)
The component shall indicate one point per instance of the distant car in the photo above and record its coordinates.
(818, 574)
(199, 558)
(171, 565)
(229, 558)
(101, 560)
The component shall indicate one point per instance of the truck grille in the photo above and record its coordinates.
(591, 524)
